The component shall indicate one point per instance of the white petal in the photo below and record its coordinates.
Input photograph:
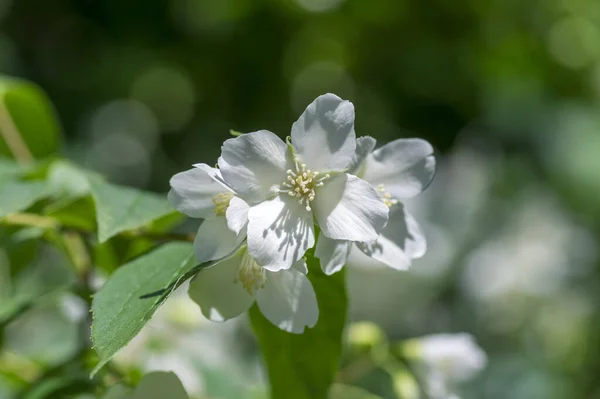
(192, 191)
(364, 147)
(332, 254)
(288, 301)
(301, 266)
(323, 136)
(280, 231)
(348, 208)
(254, 164)
(237, 214)
(404, 166)
(217, 291)
(215, 240)
(400, 241)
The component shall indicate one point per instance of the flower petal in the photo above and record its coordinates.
(280, 231)
(400, 241)
(215, 240)
(301, 266)
(404, 166)
(364, 147)
(288, 301)
(254, 164)
(323, 136)
(192, 191)
(348, 208)
(237, 214)
(332, 254)
(216, 291)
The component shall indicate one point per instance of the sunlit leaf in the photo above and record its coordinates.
(68, 180)
(121, 208)
(133, 293)
(304, 366)
(29, 128)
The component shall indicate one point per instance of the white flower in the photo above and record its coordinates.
(202, 193)
(288, 186)
(228, 288)
(449, 359)
(400, 169)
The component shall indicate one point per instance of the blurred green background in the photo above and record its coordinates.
(507, 91)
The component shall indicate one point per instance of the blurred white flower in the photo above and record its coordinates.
(448, 359)
(179, 339)
(538, 249)
(400, 169)
(288, 186)
(228, 288)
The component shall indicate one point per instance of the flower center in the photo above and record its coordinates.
(221, 202)
(251, 275)
(386, 196)
(302, 184)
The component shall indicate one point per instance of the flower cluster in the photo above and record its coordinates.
(261, 204)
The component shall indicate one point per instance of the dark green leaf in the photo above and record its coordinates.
(124, 304)
(120, 208)
(304, 366)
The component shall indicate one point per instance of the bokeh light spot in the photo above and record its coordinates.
(574, 42)
(319, 78)
(169, 93)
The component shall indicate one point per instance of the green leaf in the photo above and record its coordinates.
(304, 366)
(78, 213)
(9, 168)
(29, 128)
(160, 385)
(117, 392)
(68, 180)
(5, 283)
(18, 195)
(47, 275)
(120, 208)
(44, 334)
(133, 293)
(340, 391)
